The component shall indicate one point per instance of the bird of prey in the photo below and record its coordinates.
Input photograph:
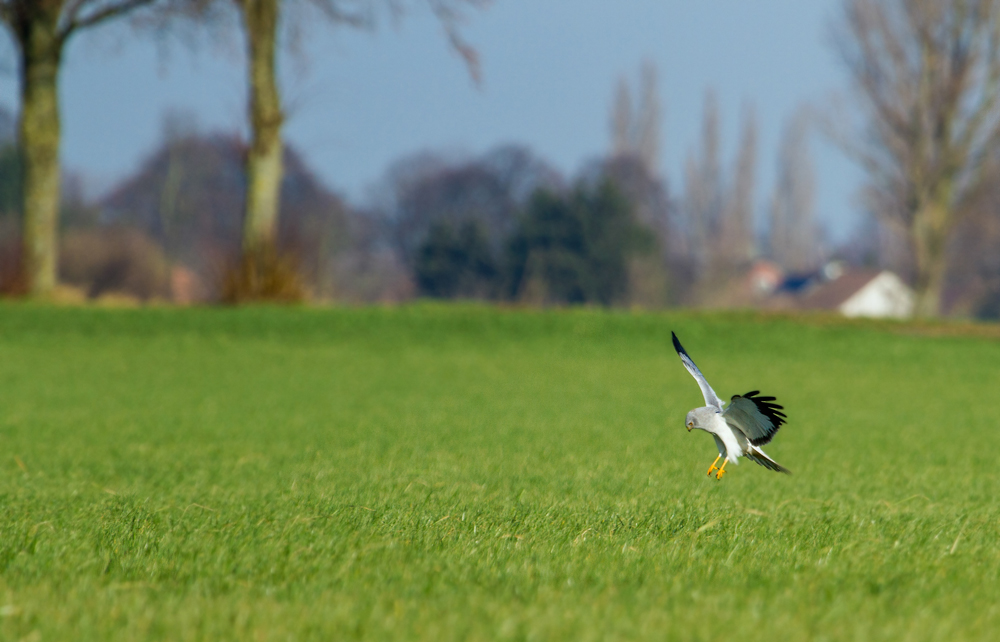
(748, 423)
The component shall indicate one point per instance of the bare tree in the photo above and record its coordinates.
(649, 117)
(738, 236)
(927, 73)
(794, 235)
(41, 29)
(621, 119)
(261, 20)
(703, 195)
(635, 131)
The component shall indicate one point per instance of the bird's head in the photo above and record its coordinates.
(699, 418)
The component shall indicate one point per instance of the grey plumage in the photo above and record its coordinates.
(758, 417)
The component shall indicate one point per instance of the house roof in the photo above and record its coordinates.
(830, 295)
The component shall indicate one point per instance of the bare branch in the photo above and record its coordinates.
(78, 16)
(450, 17)
(335, 12)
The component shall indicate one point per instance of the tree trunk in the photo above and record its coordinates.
(39, 143)
(264, 161)
(930, 238)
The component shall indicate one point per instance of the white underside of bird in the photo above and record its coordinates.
(726, 441)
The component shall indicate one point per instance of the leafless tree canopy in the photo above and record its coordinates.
(793, 234)
(703, 191)
(717, 213)
(928, 72)
(738, 227)
(635, 130)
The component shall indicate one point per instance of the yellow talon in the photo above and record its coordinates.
(722, 471)
(713, 467)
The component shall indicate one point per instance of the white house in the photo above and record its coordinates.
(863, 293)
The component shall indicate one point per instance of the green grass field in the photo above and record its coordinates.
(467, 473)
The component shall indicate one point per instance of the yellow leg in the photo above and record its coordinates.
(722, 470)
(713, 468)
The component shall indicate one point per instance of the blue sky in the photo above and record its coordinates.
(358, 100)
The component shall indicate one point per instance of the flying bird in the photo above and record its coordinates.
(748, 423)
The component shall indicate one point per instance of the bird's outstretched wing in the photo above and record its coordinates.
(711, 399)
(756, 417)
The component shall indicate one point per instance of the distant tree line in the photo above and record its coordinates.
(219, 218)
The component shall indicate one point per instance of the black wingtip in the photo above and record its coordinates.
(677, 344)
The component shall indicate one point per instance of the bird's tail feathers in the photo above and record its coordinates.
(758, 456)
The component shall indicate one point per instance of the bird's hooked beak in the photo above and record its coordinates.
(690, 425)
